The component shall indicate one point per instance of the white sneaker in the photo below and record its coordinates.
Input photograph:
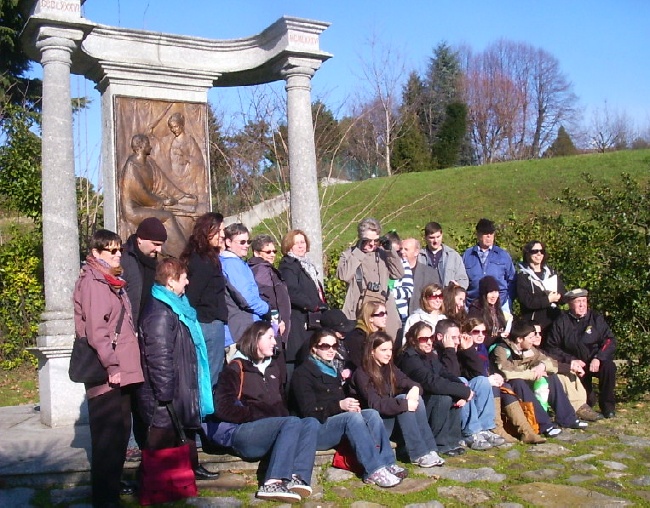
(429, 460)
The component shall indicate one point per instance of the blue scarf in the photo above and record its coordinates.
(326, 368)
(187, 315)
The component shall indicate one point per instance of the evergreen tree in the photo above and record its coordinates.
(563, 145)
(410, 152)
(447, 148)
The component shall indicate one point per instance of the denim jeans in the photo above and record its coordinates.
(366, 433)
(444, 420)
(291, 441)
(478, 413)
(215, 337)
(416, 432)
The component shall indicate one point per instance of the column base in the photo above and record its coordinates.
(63, 403)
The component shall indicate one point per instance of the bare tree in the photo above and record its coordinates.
(382, 76)
(610, 130)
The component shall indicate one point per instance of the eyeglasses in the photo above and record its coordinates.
(326, 347)
(434, 297)
(478, 332)
(269, 251)
(114, 250)
(537, 251)
(244, 242)
(379, 314)
(425, 338)
(368, 241)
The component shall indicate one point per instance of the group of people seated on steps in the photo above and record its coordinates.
(426, 351)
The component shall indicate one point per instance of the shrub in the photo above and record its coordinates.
(21, 297)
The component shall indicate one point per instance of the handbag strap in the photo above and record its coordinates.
(241, 378)
(177, 424)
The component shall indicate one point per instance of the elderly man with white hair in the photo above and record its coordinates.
(583, 336)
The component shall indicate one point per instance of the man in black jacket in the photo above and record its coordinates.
(583, 336)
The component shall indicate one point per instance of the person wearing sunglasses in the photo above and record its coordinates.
(243, 300)
(372, 318)
(306, 294)
(431, 309)
(318, 390)
(272, 287)
(444, 394)
(474, 360)
(366, 267)
(539, 287)
(101, 310)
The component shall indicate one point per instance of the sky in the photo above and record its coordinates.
(603, 46)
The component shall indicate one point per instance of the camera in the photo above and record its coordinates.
(374, 287)
(385, 243)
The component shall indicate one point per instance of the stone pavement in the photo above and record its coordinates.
(34, 457)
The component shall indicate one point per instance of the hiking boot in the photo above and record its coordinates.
(278, 491)
(586, 413)
(492, 438)
(429, 460)
(398, 471)
(477, 442)
(299, 486)
(383, 478)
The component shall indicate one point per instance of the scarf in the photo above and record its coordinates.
(111, 275)
(310, 269)
(187, 315)
(326, 368)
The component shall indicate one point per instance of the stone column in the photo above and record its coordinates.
(304, 201)
(61, 399)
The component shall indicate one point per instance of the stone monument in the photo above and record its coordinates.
(153, 95)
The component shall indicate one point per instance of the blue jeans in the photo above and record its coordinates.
(416, 432)
(291, 441)
(478, 413)
(214, 334)
(366, 433)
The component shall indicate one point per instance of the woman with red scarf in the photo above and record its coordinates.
(102, 313)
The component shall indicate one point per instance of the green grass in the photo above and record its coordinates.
(458, 197)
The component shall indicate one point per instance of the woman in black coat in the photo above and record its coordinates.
(443, 392)
(305, 291)
(174, 363)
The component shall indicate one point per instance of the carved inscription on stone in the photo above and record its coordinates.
(162, 170)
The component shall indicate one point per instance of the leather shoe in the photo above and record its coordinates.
(454, 452)
(127, 488)
(609, 414)
(201, 473)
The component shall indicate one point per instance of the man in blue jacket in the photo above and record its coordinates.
(243, 300)
(486, 258)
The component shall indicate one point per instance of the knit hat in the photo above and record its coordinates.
(151, 229)
(334, 319)
(487, 284)
(485, 227)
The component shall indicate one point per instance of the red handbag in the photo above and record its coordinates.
(345, 458)
(167, 474)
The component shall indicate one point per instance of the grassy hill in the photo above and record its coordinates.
(458, 197)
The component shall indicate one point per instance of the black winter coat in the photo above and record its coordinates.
(304, 297)
(584, 338)
(316, 394)
(169, 365)
(387, 405)
(432, 376)
(207, 288)
(262, 395)
(273, 290)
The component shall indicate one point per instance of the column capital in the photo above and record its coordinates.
(294, 66)
(64, 41)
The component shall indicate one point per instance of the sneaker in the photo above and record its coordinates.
(277, 491)
(429, 460)
(133, 454)
(552, 431)
(586, 413)
(578, 424)
(477, 442)
(398, 471)
(383, 478)
(299, 486)
(492, 438)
